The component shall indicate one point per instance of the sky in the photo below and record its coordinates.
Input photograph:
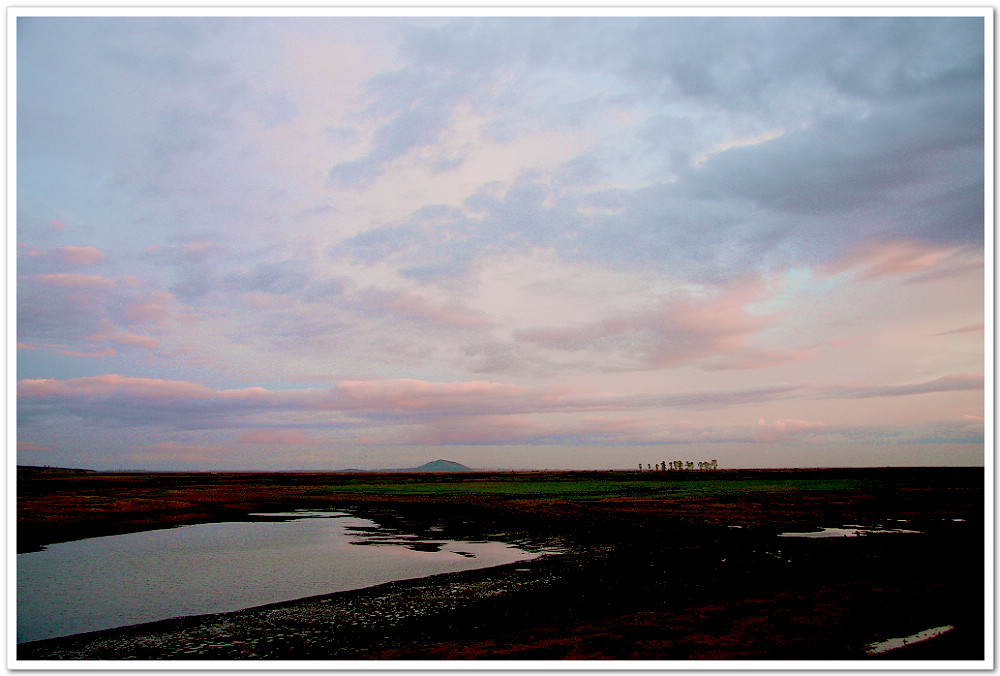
(281, 243)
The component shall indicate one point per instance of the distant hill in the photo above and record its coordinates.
(437, 466)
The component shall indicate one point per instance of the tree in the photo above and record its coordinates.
(689, 465)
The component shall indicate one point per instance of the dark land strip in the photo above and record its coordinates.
(648, 577)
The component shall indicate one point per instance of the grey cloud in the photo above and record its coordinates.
(415, 307)
(952, 383)
(676, 331)
(58, 314)
(408, 130)
(285, 276)
(276, 108)
(196, 281)
(884, 126)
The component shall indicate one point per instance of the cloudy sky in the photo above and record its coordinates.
(283, 243)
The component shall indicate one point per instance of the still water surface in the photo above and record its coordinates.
(105, 582)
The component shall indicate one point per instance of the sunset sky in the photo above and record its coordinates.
(512, 242)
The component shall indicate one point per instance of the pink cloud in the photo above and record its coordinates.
(416, 411)
(81, 255)
(135, 340)
(419, 307)
(756, 358)
(485, 429)
(463, 397)
(62, 256)
(781, 430)
(193, 251)
(96, 352)
(76, 280)
(956, 382)
(873, 260)
(153, 309)
(974, 328)
(417, 394)
(58, 225)
(147, 388)
(201, 249)
(32, 446)
(680, 329)
(841, 342)
(279, 437)
(174, 451)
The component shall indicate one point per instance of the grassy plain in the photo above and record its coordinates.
(664, 565)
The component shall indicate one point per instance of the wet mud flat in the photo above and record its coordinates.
(694, 574)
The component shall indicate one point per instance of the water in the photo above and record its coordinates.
(114, 581)
(893, 643)
(847, 532)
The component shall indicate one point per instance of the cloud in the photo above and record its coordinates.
(681, 328)
(280, 437)
(143, 388)
(783, 430)
(81, 255)
(34, 259)
(974, 328)
(476, 430)
(417, 126)
(75, 280)
(191, 252)
(424, 229)
(32, 446)
(875, 259)
(866, 133)
(417, 306)
(152, 309)
(91, 315)
(951, 383)
(406, 411)
(66, 308)
(96, 352)
(172, 452)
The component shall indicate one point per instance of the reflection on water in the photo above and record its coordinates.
(847, 532)
(114, 581)
(893, 643)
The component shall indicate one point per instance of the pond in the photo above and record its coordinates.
(114, 581)
(845, 532)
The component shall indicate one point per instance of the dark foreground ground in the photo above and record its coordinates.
(660, 566)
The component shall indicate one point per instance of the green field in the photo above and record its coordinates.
(603, 487)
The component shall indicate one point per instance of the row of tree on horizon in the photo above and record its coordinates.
(681, 466)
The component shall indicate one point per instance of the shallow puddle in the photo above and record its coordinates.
(894, 643)
(849, 532)
(114, 581)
